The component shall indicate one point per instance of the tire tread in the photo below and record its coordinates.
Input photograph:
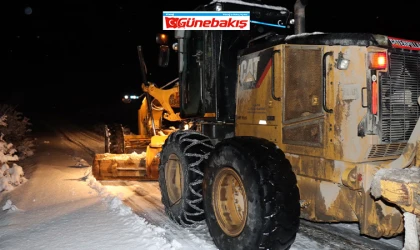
(196, 148)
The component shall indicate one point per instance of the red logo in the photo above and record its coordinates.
(171, 22)
(183, 22)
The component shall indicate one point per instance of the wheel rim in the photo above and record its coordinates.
(174, 179)
(230, 202)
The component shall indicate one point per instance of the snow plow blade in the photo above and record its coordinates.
(125, 167)
(401, 187)
(399, 181)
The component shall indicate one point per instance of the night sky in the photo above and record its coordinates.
(75, 55)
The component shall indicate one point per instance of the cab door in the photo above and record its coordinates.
(191, 74)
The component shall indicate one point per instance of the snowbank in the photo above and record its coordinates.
(152, 236)
(10, 177)
(16, 128)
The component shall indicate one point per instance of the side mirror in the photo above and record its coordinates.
(161, 39)
(164, 53)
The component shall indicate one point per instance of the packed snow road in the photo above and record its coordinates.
(144, 199)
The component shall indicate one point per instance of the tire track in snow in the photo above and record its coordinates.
(145, 202)
(78, 143)
(83, 139)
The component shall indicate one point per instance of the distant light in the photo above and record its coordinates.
(28, 10)
(134, 97)
(262, 122)
(126, 96)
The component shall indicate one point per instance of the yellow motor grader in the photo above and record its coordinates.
(284, 125)
(122, 159)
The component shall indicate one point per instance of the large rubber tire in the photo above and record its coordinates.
(271, 203)
(114, 139)
(181, 168)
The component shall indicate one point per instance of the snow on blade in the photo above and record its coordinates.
(406, 175)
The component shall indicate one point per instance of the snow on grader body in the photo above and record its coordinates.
(273, 127)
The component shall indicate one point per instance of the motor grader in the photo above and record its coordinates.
(278, 125)
(122, 159)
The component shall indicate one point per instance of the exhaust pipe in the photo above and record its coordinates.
(299, 11)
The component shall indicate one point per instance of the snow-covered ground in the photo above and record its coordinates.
(62, 206)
